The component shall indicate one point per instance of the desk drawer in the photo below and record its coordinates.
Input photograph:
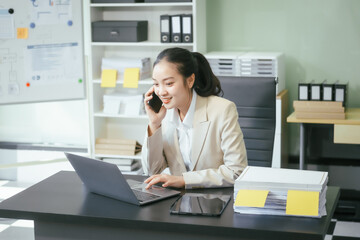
(349, 134)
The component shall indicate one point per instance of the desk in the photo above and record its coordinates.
(345, 130)
(62, 209)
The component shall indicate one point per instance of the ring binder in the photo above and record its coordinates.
(304, 91)
(176, 28)
(327, 91)
(187, 31)
(315, 91)
(340, 92)
(165, 28)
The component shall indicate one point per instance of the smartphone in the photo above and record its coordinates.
(155, 103)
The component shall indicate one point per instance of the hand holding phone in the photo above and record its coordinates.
(155, 103)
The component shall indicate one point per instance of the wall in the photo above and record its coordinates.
(320, 39)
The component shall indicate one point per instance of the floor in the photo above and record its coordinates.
(11, 229)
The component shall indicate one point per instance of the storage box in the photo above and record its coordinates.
(119, 31)
(116, 1)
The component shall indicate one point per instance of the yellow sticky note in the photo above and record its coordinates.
(251, 198)
(131, 77)
(108, 78)
(22, 33)
(302, 203)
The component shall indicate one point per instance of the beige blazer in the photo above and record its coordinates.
(218, 154)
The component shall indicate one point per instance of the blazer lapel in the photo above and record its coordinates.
(172, 139)
(200, 129)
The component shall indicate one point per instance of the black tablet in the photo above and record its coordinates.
(200, 204)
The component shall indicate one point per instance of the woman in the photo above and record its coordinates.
(195, 134)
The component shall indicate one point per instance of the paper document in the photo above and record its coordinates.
(120, 64)
(279, 191)
(304, 203)
(22, 33)
(251, 198)
(108, 78)
(131, 77)
(46, 64)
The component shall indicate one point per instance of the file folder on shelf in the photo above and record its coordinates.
(165, 28)
(124, 164)
(340, 92)
(109, 146)
(120, 64)
(327, 91)
(279, 191)
(124, 104)
(304, 91)
(187, 29)
(315, 91)
(176, 28)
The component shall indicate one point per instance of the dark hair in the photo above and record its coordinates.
(206, 83)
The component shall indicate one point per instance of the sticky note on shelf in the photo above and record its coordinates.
(131, 77)
(304, 203)
(22, 33)
(108, 78)
(251, 198)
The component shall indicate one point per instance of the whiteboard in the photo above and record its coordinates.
(41, 51)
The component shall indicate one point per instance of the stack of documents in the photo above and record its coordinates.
(112, 146)
(276, 191)
(125, 165)
(120, 64)
(123, 104)
(319, 109)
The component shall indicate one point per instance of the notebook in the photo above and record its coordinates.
(106, 179)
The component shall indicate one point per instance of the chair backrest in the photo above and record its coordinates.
(255, 98)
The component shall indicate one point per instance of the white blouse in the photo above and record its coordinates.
(185, 131)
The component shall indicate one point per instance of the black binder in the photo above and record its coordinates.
(165, 28)
(304, 91)
(315, 91)
(176, 28)
(187, 29)
(327, 91)
(340, 92)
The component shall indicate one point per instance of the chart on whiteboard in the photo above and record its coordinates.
(47, 12)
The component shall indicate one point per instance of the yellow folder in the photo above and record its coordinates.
(131, 77)
(108, 78)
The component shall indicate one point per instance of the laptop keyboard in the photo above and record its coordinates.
(143, 196)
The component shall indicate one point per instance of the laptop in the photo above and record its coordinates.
(106, 179)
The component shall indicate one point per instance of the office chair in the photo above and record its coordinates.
(255, 99)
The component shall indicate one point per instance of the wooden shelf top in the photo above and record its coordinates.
(352, 118)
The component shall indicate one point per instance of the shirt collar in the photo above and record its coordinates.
(189, 117)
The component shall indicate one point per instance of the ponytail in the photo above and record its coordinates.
(188, 63)
(206, 83)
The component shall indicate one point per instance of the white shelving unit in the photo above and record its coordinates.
(120, 126)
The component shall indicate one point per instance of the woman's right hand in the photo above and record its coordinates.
(155, 119)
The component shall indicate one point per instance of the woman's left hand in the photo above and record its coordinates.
(167, 180)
